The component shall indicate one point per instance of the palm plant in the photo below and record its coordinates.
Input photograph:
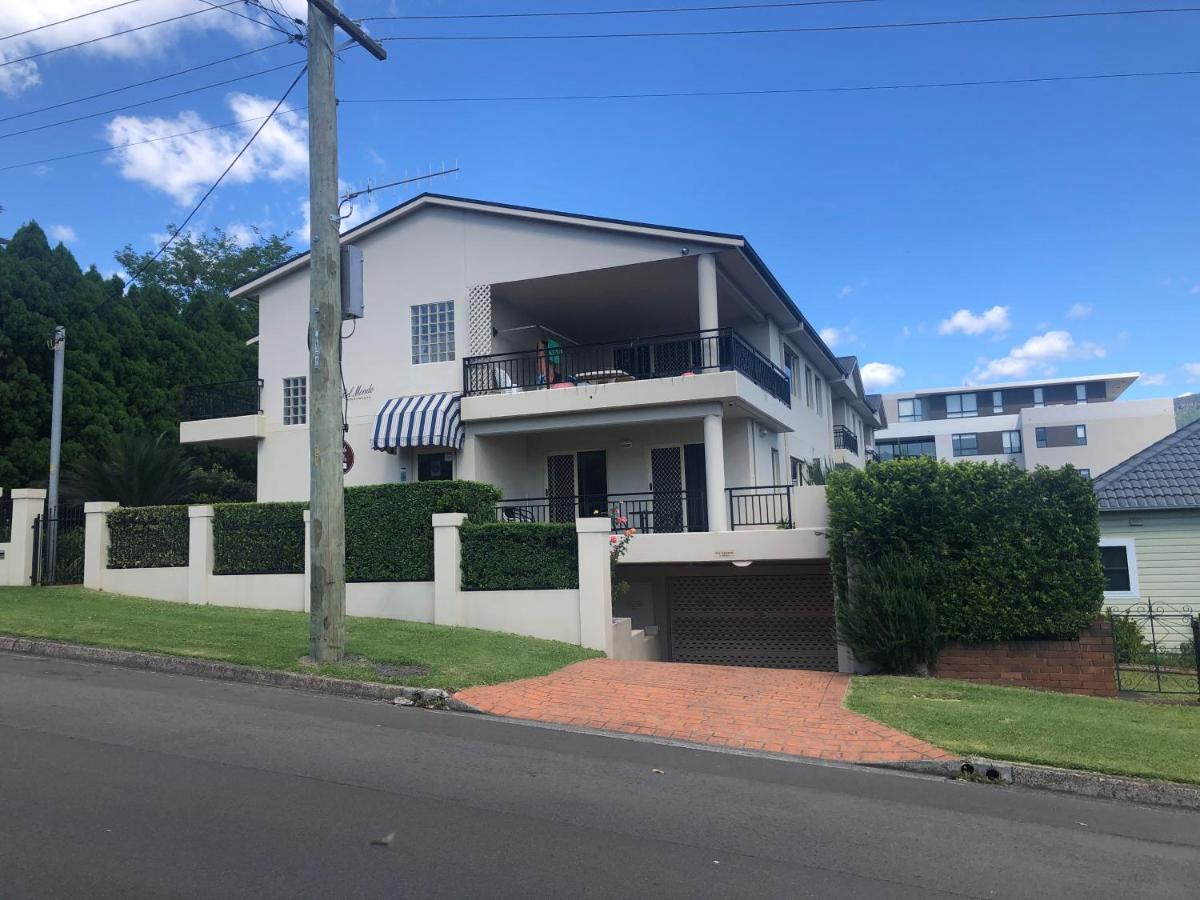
(139, 470)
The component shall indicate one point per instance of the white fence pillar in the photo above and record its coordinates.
(595, 584)
(200, 552)
(28, 504)
(95, 542)
(448, 608)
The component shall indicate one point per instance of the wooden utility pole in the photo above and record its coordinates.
(327, 619)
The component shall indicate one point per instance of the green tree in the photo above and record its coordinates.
(141, 470)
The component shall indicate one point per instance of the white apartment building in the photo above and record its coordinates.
(581, 365)
(1051, 422)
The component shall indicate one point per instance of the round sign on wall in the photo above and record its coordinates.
(347, 457)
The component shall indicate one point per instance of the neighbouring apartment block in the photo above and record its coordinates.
(1054, 422)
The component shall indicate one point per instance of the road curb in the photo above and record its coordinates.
(428, 698)
(1067, 781)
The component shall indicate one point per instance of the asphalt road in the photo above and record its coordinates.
(118, 783)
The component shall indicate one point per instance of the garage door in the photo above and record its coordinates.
(782, 621)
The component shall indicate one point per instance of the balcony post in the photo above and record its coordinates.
(706, 285)
(714, 472)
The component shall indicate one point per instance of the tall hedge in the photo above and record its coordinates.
(513, 556)
(258, 538)
(389, 535)
(1009, 554)
(148, 537)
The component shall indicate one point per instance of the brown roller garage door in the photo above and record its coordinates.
(781, 621)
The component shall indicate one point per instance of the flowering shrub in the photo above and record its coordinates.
(619, 543)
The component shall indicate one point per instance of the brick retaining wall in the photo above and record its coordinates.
(1084, 666)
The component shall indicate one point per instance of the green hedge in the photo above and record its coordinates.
(513, 556)
(258, 538)
(1009, 554)
(389, 536)
(149, 537)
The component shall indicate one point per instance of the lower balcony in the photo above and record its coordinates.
(226, 414)
(845, 439)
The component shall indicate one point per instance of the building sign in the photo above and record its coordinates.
(347, 457)
(360, 392)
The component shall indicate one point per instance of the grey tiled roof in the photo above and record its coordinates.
(1166, 475)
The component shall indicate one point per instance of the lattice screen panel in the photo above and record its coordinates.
(774, 621)
(479, 319)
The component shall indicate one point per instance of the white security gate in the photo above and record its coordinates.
(780, 621)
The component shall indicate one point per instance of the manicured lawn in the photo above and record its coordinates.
(456, 657)
(1118, 737)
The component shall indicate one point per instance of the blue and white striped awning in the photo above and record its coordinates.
(422, 420)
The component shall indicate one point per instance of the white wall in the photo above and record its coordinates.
(553, 615)
(409, 600)
(157, 584)
(1115, 431)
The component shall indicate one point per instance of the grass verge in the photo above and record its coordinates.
(455, 657)
(1117, 737)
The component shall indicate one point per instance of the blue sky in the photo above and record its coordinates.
(1062, 217)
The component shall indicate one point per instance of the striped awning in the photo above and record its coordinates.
(422, 420)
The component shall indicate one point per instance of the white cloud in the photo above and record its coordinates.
(64, 233)
(1193, 370)
(149, 43)
(966, 322)
(877, 375)
(1155, 378)
(1036, 355)
(1079, 311)
(834, 337)
(184, 166)
(356, 211)
(846, 290)
(243, 235)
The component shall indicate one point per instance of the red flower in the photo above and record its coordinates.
(621, 520)
(613, 539)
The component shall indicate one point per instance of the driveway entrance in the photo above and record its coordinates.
(777, 710)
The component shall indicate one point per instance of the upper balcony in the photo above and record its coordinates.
(618, 373)
(225, 414)
(845, 439)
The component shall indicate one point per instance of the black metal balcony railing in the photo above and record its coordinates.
(665, 356)
(222, 400)
(845, 439)
(650, 512)
(759, 505)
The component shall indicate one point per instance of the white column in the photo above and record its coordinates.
(200, 552)
(706, 278)
(28, 504)
(714, 472)
(95, 542)
(447, 569)
(595, 584)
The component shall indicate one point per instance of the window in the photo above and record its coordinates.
(797, 471)
(1119, 562)
(902, 449)
(1039, 397)
(1086, 473)
(774, 466)
(912, 410)
(432, 332)
(820, 396)
(997, 402)
(792, 363)
(966, 445)
(808, 386)
(1011, 441)
(1081, 393)
(961, 406)
(295, 400)
(435, 467)
(1040, 435)
(1081, 435)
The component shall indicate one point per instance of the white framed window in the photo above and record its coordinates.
(295, 400)
(1039, 435)
(1081, 393)
(820, 396)
(432, 332)
(774, 466)
(911, 410)
(1011, 441)
(797, 468)
(791, 362)
(1118, 559)
(1081, 435)
(808, 387)
(966, 445)
(961, 406)
(1039, 397)
(1086, 473)
(997, 402)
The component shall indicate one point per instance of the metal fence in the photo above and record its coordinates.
(760, 505)
(226, 398)
(58, 546)
(1156, 648)
(845, 439)
(650, 512)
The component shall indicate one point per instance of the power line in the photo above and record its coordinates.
(617, 12)
(901, 86)
(241, 15)
(140, 103)
(105, 37)
(217, 183)
(805, 29)
(155, 140)
(138, 84)
(71, 19)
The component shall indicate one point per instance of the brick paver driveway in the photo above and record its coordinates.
(780, 710)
